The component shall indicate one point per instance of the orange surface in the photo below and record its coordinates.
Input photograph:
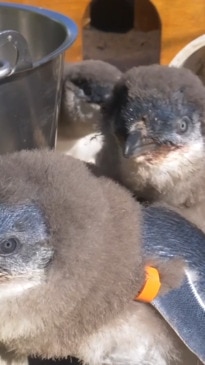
(75, 9)
(181, 21)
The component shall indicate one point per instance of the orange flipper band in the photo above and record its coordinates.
(151, 286)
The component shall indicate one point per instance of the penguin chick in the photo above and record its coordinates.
(157, 116)
(87, 84)
(67, 278)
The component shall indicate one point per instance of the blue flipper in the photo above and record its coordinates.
(168, 236)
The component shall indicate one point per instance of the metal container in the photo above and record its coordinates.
(192, 56)
(32, 45)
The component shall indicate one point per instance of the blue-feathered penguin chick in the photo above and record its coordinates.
(153, 131)
(72, 261)
(87, 85)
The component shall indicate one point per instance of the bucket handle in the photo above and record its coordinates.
(23, 59)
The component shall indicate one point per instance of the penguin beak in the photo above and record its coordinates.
(136, 145)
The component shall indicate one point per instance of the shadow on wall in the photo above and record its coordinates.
(146, 17)
(125, 33)
(123, 15)
(112, 15)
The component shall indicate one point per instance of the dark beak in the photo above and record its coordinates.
(136, 145)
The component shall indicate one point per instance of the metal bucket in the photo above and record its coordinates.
(32, 46)
(192, 56)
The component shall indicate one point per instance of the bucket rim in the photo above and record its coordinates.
(67, 23)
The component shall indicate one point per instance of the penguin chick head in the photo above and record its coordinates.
(87, 85)
(62, 252)
(24, 248)
(158, 115)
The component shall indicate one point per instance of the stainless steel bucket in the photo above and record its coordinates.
(32, 46)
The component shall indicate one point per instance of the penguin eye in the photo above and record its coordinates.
(9, 246)
(183, 124)
(144, 118)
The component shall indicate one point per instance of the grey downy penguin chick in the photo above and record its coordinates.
(153, 131)
(87, 85)
(71, 263)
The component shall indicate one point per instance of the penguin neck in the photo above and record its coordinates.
(176, 182)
